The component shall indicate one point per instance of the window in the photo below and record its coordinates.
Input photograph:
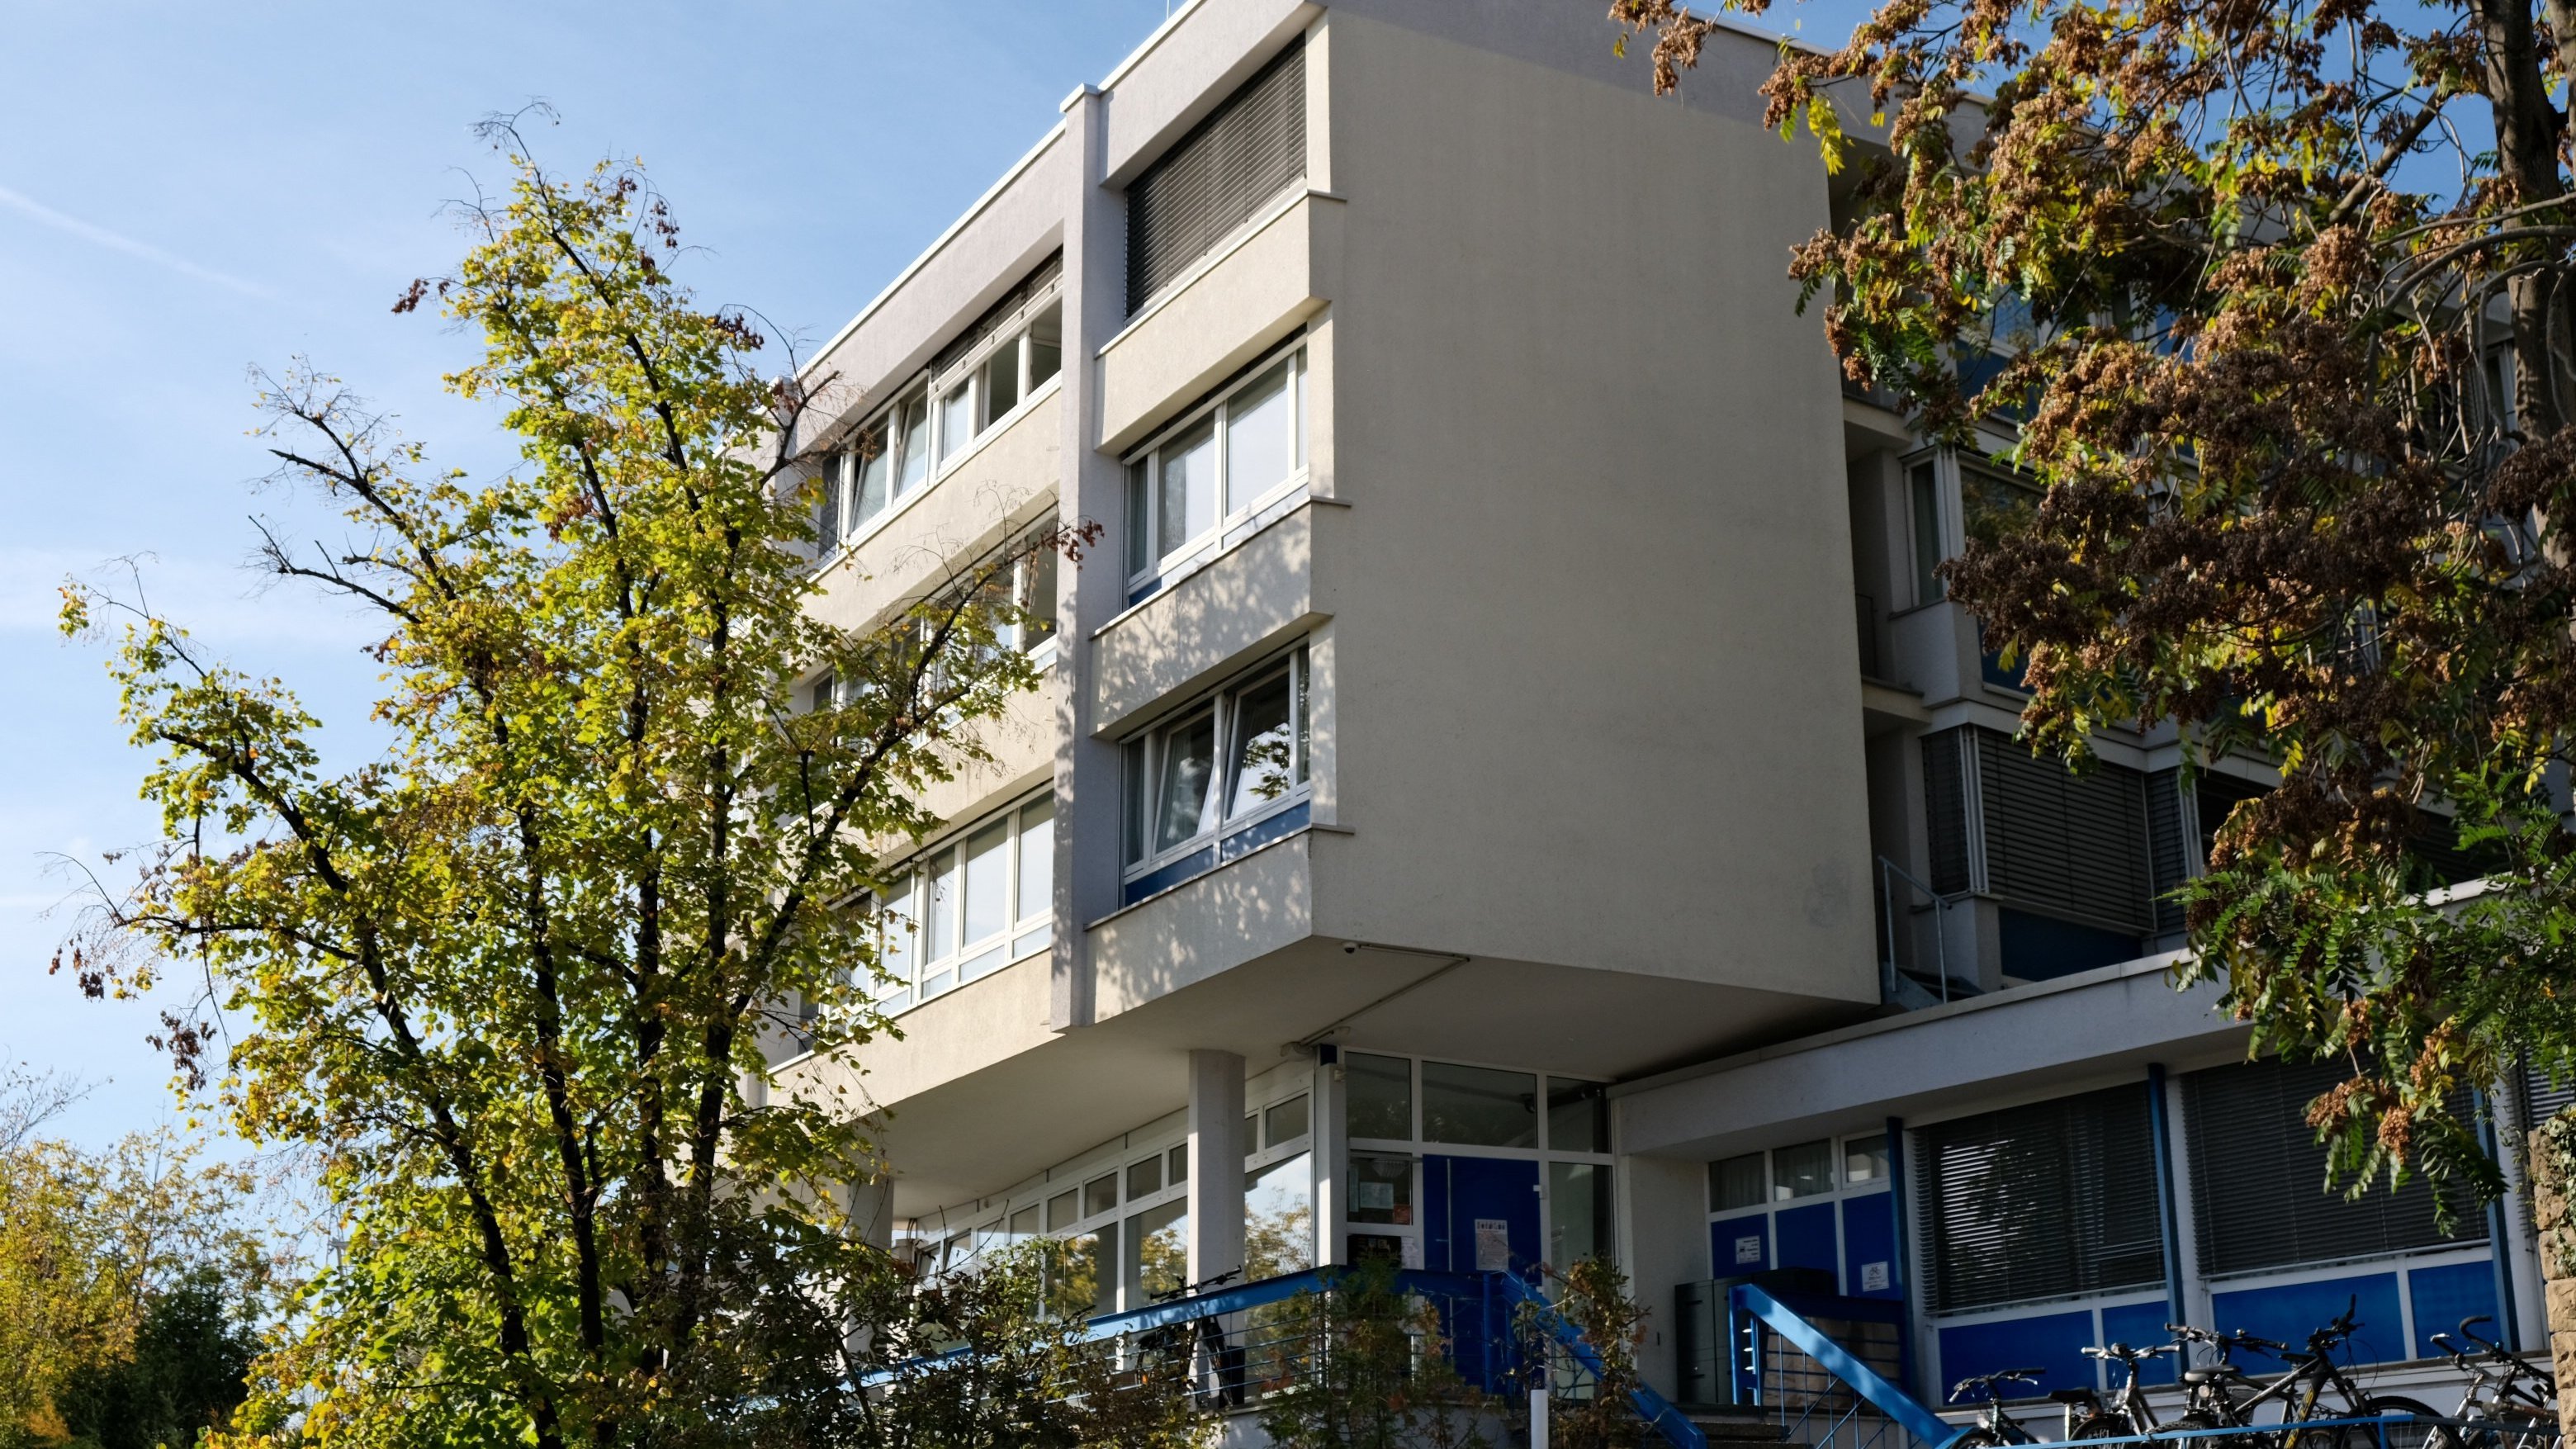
(1377, 1094)
(1158, 1251)
(1212, 180)
(1285, 1122)
(2258, 1177)
(980, 380)
(1100, 1194)
(1144, 1177)
(1806, 1170)
(1865, 1159)
(2041, 1201)
(1279, 1217)
(1923, 486)
(1578, 1209)
(1992, 507)
(971, 906)
(1737, 1182)
(1381, 1189)
(1220, 764)
(1578, 1116)
(1479, 1106)
(1216, 468)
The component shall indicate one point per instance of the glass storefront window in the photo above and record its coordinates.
(1279, 1218)
(1381, 1189)
(1378, 1092)
(1479, 1106)
(1737, 1182)
(1158, 1251)
(1578, 1205)
(1803, 1171)
(1578, 1117)
(1865, 1159)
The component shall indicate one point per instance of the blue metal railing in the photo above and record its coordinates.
(1481, 1313)
(1751, 1312)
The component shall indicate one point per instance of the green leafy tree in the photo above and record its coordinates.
(508, 982)
(1593, 1297)
(2281, 296)
(100, 1253)
(189, 1368)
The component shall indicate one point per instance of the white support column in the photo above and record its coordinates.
(1330, 1210)
(1216, 1164)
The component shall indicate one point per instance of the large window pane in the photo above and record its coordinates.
(1279, 1218)
(1185, 493)
(895, 952)
(1377, 1094)
(1141, 551)
(1381, 1189)
(988, 882)
(1991, 508)
(1100, 1194)
(1923, 485)
(827, 514)
(875, 469)
(1144, 1177)
(913, 446)
(1158, 1251)
(939, 912)
(1865, 1159)
(1037, 859)
(1046, 345)
(1260, 438)
(1287, 1121)
(1265, 746)
(956, 419)
(1479, 1106)
(1077, 1283)
(1001, 374)
(1180, 800)
(1578, 1209)
(1802, 1171)
(1037, 598)
(1737, 1182)
(1578, 1117)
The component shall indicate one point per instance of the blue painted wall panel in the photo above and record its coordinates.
(2290, 1313)
(1727, 1248)
(1869, 1239)
(2445, 1295)
(2052, 1342)
(2139, 1325)
(1803, 1237)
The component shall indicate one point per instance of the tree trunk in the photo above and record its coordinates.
(2549, 1215)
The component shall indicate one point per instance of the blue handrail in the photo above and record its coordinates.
(1676, 1429)
(1897, 1405)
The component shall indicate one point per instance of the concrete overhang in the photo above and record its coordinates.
(2039, 1040)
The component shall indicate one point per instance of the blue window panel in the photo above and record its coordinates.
(1731, 1239)
(2290, 1312)
(2038, 948)
(2139, 1325)
(2053, 1343)
(2445, 1295)
(1199, 862)
(1804, 1237)
(1869, 1243)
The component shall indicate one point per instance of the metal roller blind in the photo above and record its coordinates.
(2258, 1177)
(1945, 807)
(2216, 795)
(2063, 843)
(2042, 1201)
(2541, 1099)
(1217, 176)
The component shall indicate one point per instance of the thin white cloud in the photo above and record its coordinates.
(115, 241)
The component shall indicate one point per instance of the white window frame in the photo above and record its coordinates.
(1020, 937)
(1165, 559)
(1147, 751)
(932, 389)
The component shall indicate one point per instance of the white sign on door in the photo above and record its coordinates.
(1873, 1277)
(1493, 1245)
(1412, 1252)
(1748, 1249)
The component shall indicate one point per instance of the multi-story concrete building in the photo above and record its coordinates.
(1508, 786)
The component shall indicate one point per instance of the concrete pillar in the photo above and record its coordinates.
(2549, 1214)
(1216, 1164)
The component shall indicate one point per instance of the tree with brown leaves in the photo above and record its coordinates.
(2285, 293)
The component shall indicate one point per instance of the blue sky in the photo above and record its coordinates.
(189, 189)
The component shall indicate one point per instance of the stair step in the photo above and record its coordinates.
(1734, 1426)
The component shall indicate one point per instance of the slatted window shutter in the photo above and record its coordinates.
(2168, 848)
(2041, 1201)
(2258, 1177)
(2066, 844)
(1217, 176)
(2543, 1099)
(1945, 808)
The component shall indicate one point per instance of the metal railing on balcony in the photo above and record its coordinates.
(1896, 984)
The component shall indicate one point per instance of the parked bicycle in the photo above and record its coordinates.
(1995, 1424)
(2127, 1413)
(2315, 1386)
(2511, 1402)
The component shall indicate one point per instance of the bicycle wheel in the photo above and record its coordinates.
(2109, 1425)
(2204, 1419)
(2398, 1436)
(1984, 1438)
